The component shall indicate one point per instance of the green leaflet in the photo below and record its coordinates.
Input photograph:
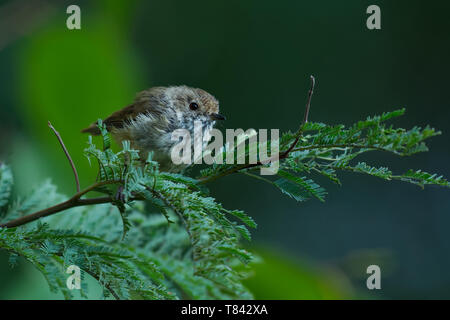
(6, 183)
(382, 172)
(299, 188)
(422, 178)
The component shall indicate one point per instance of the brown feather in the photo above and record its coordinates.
(145, 102)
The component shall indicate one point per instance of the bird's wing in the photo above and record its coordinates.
(146, 102)
(118, 119)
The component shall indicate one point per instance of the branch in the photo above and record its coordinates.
(283, 155)
(305, 120)
(347, 145)
(174, 208)
(106, 285)
(308, 104)
(77, 181)
(73, 202)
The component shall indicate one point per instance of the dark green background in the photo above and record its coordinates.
(255, 57)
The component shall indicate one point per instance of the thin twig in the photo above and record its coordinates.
(77, 181)
(308, 103)
(283, 155)
(305, 120)
(174, 208)
(105, 284)
(343, 146)
(71, 203)
(74, 201)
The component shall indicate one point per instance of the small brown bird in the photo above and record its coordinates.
(149, 121)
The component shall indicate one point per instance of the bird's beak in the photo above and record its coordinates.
(217, 116)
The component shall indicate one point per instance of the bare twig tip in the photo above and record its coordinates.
(58, 136)
(308, 103)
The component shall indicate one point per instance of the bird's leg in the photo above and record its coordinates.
(120, 196)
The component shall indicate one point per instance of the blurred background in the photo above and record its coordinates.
(255, 57)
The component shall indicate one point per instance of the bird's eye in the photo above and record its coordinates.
(193, 106)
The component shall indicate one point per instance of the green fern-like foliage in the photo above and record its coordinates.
(161, 236)
(325, 150)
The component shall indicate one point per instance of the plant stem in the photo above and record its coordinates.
(308, 104)
(283, 155)
(74, 169)
(75, 201)
(349, 145)
(106, 285)
(71, 203)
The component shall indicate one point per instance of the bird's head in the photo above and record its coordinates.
(193, 104)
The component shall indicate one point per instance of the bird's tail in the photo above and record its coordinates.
(92, 129)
